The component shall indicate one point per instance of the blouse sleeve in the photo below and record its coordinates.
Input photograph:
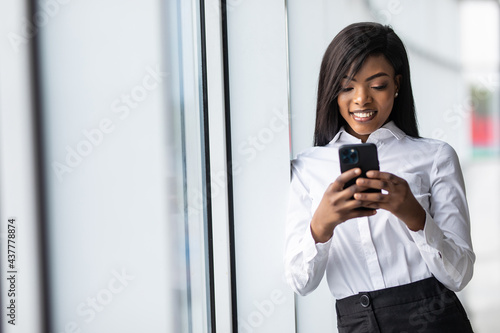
(305, 261)
(445, 242)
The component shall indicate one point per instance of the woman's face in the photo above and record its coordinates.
(366, 101)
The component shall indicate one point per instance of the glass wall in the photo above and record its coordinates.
(259, 104)
(19, 218)
(107, 167)
(114, 188)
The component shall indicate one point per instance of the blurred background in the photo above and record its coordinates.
(145, 148)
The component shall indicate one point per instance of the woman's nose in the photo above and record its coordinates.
(361, 96)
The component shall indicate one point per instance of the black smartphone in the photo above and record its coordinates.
(361, 155)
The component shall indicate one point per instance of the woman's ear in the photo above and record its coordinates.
(397, 80)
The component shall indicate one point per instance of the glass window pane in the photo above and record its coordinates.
(123, 161)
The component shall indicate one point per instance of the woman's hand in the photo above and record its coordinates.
(399, 200)
(337, 206)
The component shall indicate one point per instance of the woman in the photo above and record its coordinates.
(394, 265)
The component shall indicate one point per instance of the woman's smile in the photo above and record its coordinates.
(363, 115)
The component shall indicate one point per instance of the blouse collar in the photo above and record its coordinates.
(387, 130)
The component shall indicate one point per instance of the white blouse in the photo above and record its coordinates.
(376, 252)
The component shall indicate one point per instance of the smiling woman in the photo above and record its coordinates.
(410, 247)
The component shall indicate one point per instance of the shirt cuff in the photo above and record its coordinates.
(429, 239)
(313, 250)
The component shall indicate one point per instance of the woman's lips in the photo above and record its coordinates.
(364, 115)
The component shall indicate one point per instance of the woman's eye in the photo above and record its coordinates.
(346, 89)
(381, 87)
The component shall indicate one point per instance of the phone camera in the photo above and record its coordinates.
(350, 156)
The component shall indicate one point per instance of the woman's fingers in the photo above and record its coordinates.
(387, 177)
(373, 183)
(355, 209)
(380, 180)
(339, 183)
(338, 186)
(383, 176)
(395, 196)
(338, 205)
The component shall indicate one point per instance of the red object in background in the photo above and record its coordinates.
(482, 130)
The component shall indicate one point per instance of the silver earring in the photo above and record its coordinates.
(395, 95)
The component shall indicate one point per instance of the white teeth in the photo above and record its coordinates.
(364, 114)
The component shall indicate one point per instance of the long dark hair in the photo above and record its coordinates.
(345, 56)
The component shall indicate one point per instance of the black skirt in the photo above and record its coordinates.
(422, 306)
